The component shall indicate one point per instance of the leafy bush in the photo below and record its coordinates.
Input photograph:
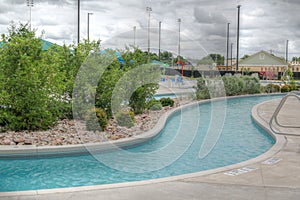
(202, 91)
(139, 81)
(156, 107)
(31, 86)
(167, 102)
(138, 100)
(154, 104)
(271, 88)
(251, 85)
(286, 88)
(96, 119)
(125, 118)
(233, 85)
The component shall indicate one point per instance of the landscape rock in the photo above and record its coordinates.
(68, 132)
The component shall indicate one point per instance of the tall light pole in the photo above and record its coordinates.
(227, 48)
(179, 23)
(159, 40)
(134, 34)
(238, 39)
(179, 61)
(287, 51)
(78, 22)
(231, 55)
(88, 26)
(149, 9)
(30, 4)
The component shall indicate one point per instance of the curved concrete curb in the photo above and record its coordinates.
(21, 151)
(280, 143)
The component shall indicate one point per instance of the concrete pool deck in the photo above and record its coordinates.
(275, 175)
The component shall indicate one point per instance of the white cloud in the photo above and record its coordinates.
(264, 24)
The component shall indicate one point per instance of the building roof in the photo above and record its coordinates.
(45, 44)
(263, 59)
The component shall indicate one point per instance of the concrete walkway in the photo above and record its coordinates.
(273, 176)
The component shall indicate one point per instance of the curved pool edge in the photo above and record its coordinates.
(16, 151)
(7, 151)
(280, 142)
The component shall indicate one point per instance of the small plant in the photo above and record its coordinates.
(167, 102)
(96, 120)
(251, 85)
(157, 106)
(154, 104)
(202, 91)
(125, 118)
(271, 88)
(233, 85)
(286, 88)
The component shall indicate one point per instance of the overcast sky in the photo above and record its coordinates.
(265, 25)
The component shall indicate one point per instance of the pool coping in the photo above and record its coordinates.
(7, 151)
(280, 142)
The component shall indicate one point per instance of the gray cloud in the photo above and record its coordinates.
(265, 25)
(209, 17)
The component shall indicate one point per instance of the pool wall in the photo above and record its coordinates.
(280, 143)
(19, 151)
(33, 151)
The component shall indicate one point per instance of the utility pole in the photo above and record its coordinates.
(238, 39)
(134, 33)
(227, 48)
(78, 22)
(88, 25)
(231, 54)
(159, 40)
(179, 22)
(149, 9)
(179, 59)
(287, 51)
(30, 4)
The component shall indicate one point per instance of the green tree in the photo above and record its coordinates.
(166, 57)
(212, 58)
(30, 85)
(123, 79)
(70, 59)
(245, 57)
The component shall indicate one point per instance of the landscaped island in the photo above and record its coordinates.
(81, 93)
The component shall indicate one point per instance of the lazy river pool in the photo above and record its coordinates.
(175, 151)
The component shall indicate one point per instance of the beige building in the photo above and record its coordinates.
(295, 66)
(263, 62)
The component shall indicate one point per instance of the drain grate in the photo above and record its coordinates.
(271, 161)
(243, 170)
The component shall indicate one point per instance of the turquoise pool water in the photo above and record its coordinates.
(240, 140)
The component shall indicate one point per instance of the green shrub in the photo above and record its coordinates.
(154, 104)
(251, 85)
(96, 123)
(156, 107)
(233, 85)
(125, 118)
(167, 102)
(138, 100)
(286, 88)
(271, 88)
(202, 91)
(31, 85)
